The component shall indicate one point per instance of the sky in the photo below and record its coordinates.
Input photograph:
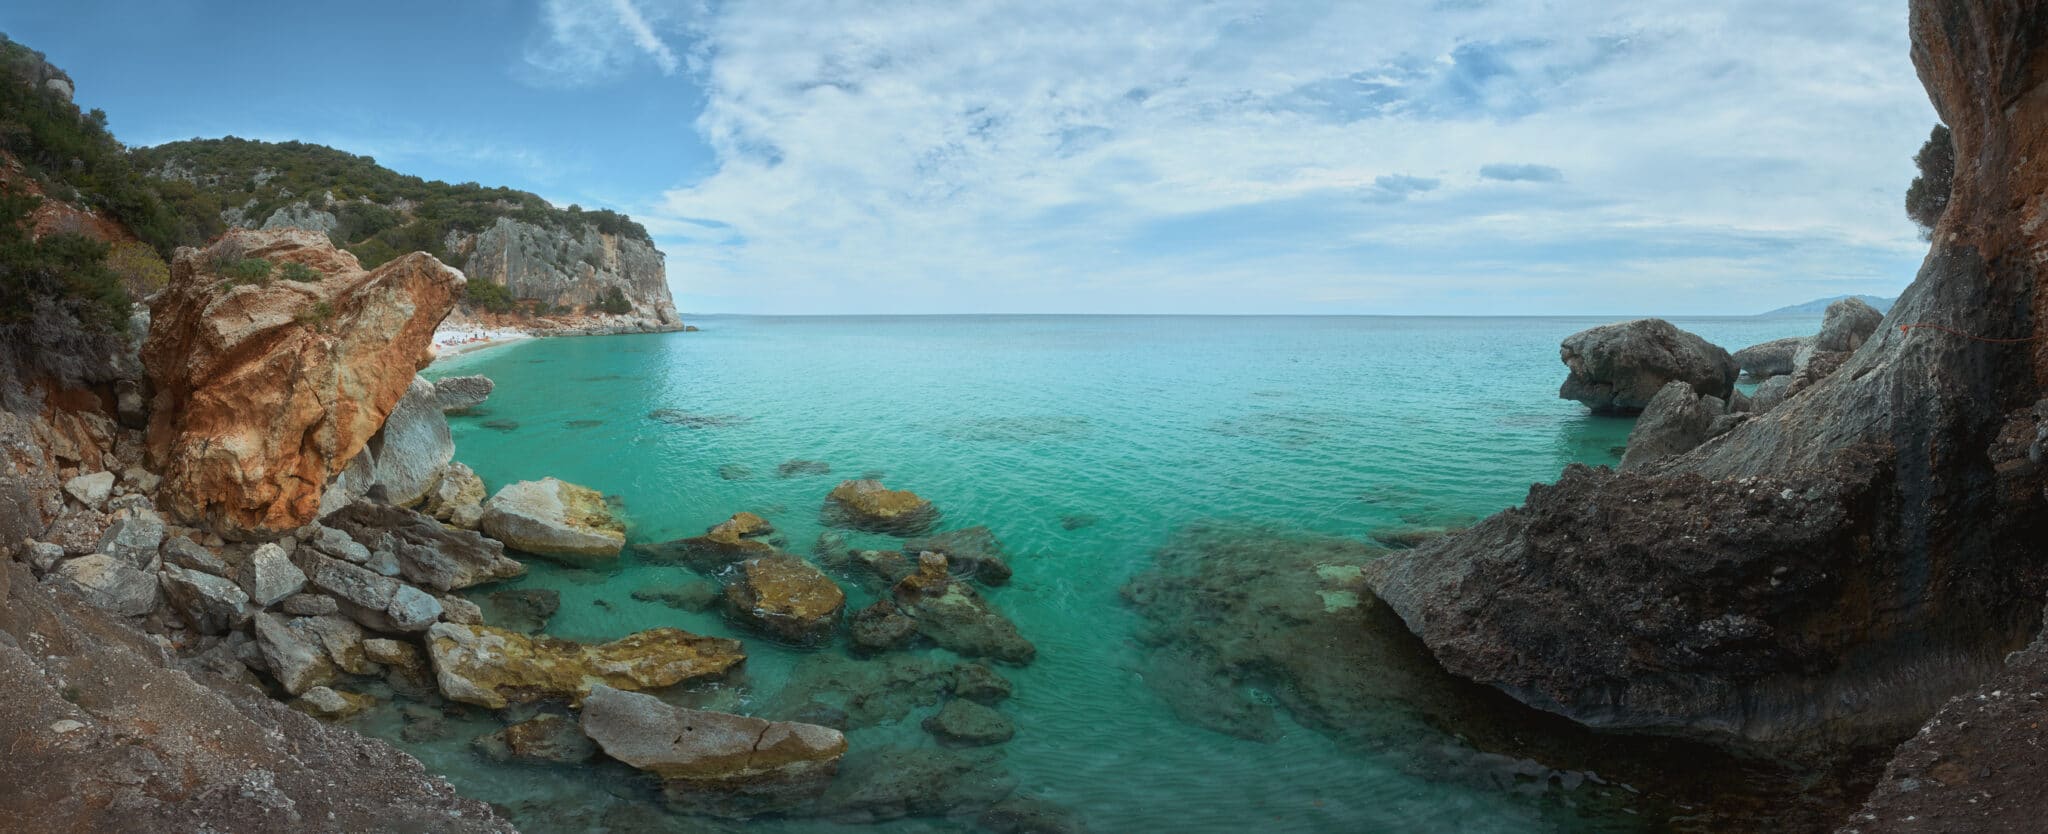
(1455, 157)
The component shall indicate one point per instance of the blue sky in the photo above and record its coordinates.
(1400, 156)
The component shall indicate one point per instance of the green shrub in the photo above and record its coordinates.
(1927, 197)
(67, 270)
(295, 271)
(316, 315)
(239, 271)
(489, 296)
(138, 266)
(615, 303)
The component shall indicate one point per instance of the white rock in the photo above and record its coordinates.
(91, 489)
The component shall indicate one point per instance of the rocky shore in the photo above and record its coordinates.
(275, 539)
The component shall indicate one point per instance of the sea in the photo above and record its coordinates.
(1164, 487)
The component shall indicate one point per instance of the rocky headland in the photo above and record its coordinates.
(1819, 576)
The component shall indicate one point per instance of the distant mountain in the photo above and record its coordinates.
(1820, 305)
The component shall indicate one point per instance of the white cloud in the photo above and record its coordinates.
(583, 42)
(1147, 155)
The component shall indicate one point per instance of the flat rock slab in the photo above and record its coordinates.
(714, 762)
(555, 519)
(492, 667)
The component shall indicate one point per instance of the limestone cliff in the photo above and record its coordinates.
(1826, 574)
(535, 266)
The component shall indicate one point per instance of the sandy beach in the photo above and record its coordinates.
(454, 341)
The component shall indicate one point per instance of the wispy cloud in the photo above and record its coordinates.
(582, 42)
(1237, 155)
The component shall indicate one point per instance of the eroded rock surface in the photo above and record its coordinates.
(713, 762)
(787, 597)
(265, 391)
(867, 505)
(555, 519)
(1618, 368)
(492, 667)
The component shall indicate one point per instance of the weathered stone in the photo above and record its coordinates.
(1676, 421)
(548, 738)
(378, 602)
(712, 762)
(309, 605)
(340, 638)
(270, 576)
(141, 480)
(880, 627)
(786, 597)
(492, 667)
(412, 446)
(969, 724)
(867, 505)
(109, 583)
(267, 391)
(958, 619)
(457, 394)
(393, 653)
(44, 555)
(211, 604)
(1768, 359)
(134, 539)
(457, 494)
(91, 489)
(428, 553)
(709, 553)
(973, 553)
(457, 610)
(892, 783)
(742, 525)
(332, 705)
(555, 519)
(186, 553)
(338, 544)
(294, 656)
(1617, 368)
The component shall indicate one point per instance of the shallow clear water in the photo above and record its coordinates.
(1152, 426)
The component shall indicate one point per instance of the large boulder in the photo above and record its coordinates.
(408, 453)
(492, 667)
(555, 519)
(786, 597)
(973, 553)
(429, 555)
(1845, 326)
(713, 762)
(109, 583)
(953, 615)
(377, 601)
(294, 652)
(266, 389)
(1618, 368)
(457, 497)
(867, 505)
(269, 575)
(457, 394)
(1768, 359)
(211, 604)
(1677, 420)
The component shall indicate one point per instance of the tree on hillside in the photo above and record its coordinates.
(1927, 197)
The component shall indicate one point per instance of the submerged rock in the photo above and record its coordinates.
(548, 738)
(709, 553)
(892, 783)
(524, 610)
(1618, 368)
(867, 505)
(786, 597)
(712, 762)
(862, 693)
(798, 468)
(969, 724)
(973, 553)
(689, 596)
(555, 519)
(956, 617)
(742, 525)
(880, 627)
(978, 683)
(492, 667)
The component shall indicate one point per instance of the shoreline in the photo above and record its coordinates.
(450, 343)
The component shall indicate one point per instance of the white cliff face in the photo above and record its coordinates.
(571, 268)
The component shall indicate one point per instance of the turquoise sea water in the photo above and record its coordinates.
(1087, 444)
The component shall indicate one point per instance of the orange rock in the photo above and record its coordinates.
(266, 388)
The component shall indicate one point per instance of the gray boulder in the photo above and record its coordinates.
(211, 604)
(378, 602)
(412, 446)
(714, 762)
(1769, 359)
(91, 489)
(186, 553)
(109, 583)
(458, 394)
(457, 496)
(1772, 392)
(555, 519)
(270, 576)
(134, 538)
(1677, 421)
(428, 554)
(294, 655)
(1618, 368)
(1847, 324)
(302, 215)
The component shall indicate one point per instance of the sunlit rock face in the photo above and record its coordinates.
(268, 385)
(1827, 573)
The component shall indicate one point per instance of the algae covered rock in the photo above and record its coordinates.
(492, 667)
(713, 762)
(956, 617)
(556, 519)
(867, 505)
(787, 597)
(969, 724)
(547, 738)
(973, 553)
